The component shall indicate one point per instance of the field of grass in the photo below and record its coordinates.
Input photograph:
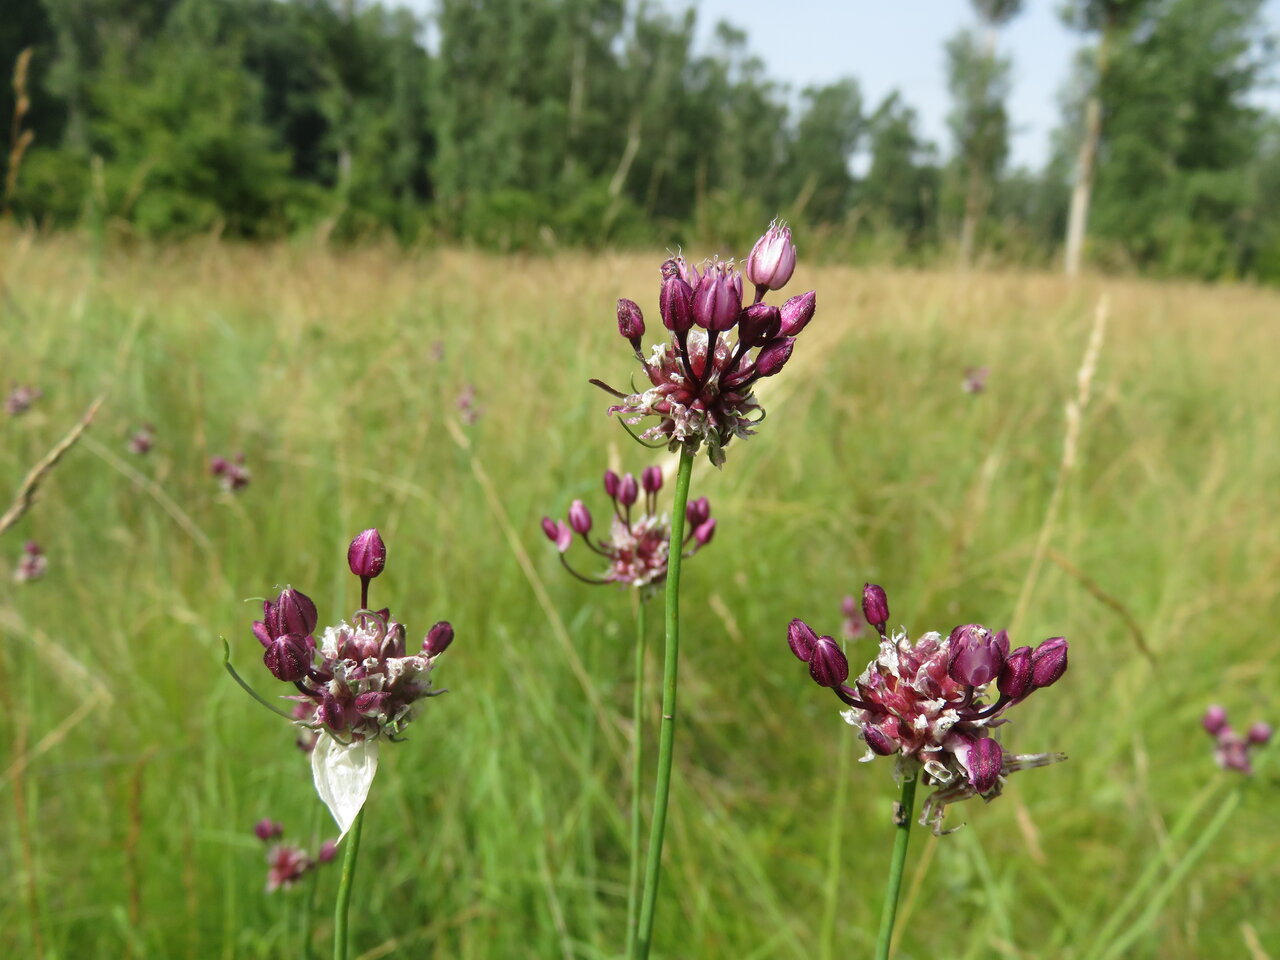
(132, 769)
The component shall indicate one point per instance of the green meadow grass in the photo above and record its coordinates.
(132, 769)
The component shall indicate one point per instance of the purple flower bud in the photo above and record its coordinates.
(287, 657)
(1001, 640)
(797, 312)
(705, 531)
(295, 613)
(973, 659)
(773, 356)
(675, 303)
(367, 554)
(1015, 675)
(630, 321)
(332, 713)
(1049, 662)
(848, 605)
(828, 665)
(579, 517)
(801, 639)
(1215, 720)
(698, 511)
(773, 258)
(718, 299)
(758, 324)
(875, 606)
(557, 533)
(438, 639)
(628, 490)
(371, 703)
(984, 761)
(218, 466)
(651, 479)
(880, 742)
(1259, 733)
(328, 850)
(611, 484)
(267, 830)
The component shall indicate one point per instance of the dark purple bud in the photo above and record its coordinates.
(718, 299)
(218, 466)
(1015, 675)
(438, 639)
(1259, 733)
(705, 531)
(370, 704)
(828, 665)
(332, 713)
(698, 511)
(985, 760)
(801, 639)
(875, 606)
(758, 324)
(328, 850)
(367, 554)
(651, 479)
(973, 659)
(287, 657)
(773, 258)
(267, 829)
(1215, 720)
(773, 356)
(295, 613)
(557, 533)
(675, 303)
(611, 484)
(1049, 662)
(797, 312)
(880, 742)
(849, 606)
(628, 490)
(579, 517)
(1001, 640)
(262, 633)
(630, 321)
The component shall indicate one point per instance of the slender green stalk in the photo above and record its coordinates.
(667, 730)
(902, 833)
(637, 764)
(309, 903)
(344, 889)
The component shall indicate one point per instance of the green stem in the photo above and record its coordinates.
(637, 758)
(309, 904)
(902, 819)
(667, 730)
(344, 889)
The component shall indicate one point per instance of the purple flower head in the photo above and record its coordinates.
(288, 657)
(286, 866)
(468, 410)
(367, 554)
(328, 851)
(700, 382)
(1215, 720)
(1259, 734)
(438, 639)
(630, 322)
(267, 829)
(975, 379)
(772, 259)
(20, 399)
(142, 440)
(852, 626)
(232, 474)
(1049, 662)
(636, 542)
(932, 702)
(1230, 750)
(32, 563)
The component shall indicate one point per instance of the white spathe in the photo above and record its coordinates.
(343, 774)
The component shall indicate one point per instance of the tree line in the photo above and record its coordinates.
(533, 124)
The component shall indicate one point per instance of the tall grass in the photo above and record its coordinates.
(132, 770)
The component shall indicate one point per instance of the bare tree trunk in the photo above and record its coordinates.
(1086, 165)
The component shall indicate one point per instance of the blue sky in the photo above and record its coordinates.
(888, 44)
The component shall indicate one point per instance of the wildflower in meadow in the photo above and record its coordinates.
(32, 563)
(468, 410)
(143, 439)
(1232, 751)
(637, 544)
(852, 626)
(701, 382)
(20, 399)
(287, 864)
(975, 379)
(232, 474)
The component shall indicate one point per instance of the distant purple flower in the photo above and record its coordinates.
(32, 564)
(267, 829)
(286, 865)
(232, 474)
(929, 702)
(142, 440)
(20, 399)
(1232, 751)
(437, 351)
(468, 410)
(636, 546)
(975, 379)
(854, 624)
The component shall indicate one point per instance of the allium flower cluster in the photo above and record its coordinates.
(232, 474)
(933, 702)
(143, 439)
(287, 864)
(975, 379)
(638, 544)
(700, 381)
(20, 399)
(32, 564)
(1231, 751)
(356, 680)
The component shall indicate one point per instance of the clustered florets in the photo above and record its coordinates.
(639, 542)
(925, 701)
(32, 564)
(232, 474)
(21, 397)
(1230, 750)
(701, 384)
(287, 864)
(357, 681)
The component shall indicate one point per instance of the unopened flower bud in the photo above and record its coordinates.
(797, 312)
(1215, 720)
(287, 657)
(367, 554)
(773, 356)
(985, 759)
(1015, 675)
(295, 613)
(801, 639)
(1259, 733)
(973, 659)
(828, 665)
(371, 703)
(880, 742)
(875, 606)
(438, 639)
(718, 299)
(328, 850)
(628, 490)
(557, 533)
(630, 321)
(611, 484)
(675, 303)
(758, 324)
(332, 713)
(218, 466)
(773, 258)
(1049, 662)
(651, 479)
(579, 517)
(267, 829)
(698, 511)
(704, 532)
